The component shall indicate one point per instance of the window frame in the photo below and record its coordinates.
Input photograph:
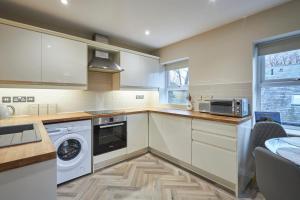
(262, 82)
(183, 88)
(262, 79)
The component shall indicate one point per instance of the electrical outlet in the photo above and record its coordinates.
(30, 99)
(139, 97)
(6, 99)
(19, 99)
(207, 97)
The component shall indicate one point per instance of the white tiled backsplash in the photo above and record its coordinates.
(126, 99)
(77, 100)
(231, 90)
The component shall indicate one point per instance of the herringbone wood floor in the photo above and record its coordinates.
(146, 177)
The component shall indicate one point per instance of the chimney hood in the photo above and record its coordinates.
(103, 61)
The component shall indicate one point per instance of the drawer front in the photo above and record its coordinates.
(215, 140)
(214, 160)
(214, 127)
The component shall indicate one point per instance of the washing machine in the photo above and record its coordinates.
(72, 141)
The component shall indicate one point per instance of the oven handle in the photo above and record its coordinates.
(111, 125)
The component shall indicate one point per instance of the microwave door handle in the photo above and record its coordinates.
(112, 125)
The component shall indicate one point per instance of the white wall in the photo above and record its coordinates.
(126, 99)
(221, 59)
(77, 100)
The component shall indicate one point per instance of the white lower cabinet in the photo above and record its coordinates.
(32, 182)
(215, 160)
(137, 132)
(171, 135)
(214, 148)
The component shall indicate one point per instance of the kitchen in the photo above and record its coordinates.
(134, 112)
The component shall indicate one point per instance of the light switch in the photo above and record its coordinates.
(139, 97)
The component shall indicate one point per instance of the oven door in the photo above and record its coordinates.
(222, 107)
(110, 137)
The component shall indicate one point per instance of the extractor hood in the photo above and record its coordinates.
(102, 61)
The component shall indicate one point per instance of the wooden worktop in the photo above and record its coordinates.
(182, 113)
(199, 115)
(27, 154)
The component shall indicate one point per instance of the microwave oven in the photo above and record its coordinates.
(237, 107)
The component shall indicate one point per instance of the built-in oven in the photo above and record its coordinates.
(110, 133)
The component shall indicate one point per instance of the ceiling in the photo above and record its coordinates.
(169, 21)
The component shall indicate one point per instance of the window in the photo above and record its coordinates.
(279, 79)
(177, 82)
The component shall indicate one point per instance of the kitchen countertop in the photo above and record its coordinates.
(182, 113)
(27, 154)
(204, 116)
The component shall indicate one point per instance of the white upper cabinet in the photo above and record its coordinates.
(140, 71)
(137, 132)
(20, 54)
(63, 60)
(153, 70)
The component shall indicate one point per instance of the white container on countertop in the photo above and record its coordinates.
(43, 109)
(6, 111)
(52, 109)
(33, 109)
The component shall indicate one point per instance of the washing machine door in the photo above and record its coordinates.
(71, 150)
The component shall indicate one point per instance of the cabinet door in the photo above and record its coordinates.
(133, 74)
(20, 54)
(140, 71)
(153, 72)
(63, 60)
(217, 161)
(137, 132)
(171, 135)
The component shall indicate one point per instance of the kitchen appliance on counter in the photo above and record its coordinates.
(236, 107)
(204, 106)
(6, 111)
(110, 133)
(72, 141)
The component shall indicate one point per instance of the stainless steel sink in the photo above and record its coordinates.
(19, 134)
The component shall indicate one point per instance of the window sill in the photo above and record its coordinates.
(292, 132)
(176, 106)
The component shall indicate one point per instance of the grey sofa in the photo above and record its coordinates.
(277, 178)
